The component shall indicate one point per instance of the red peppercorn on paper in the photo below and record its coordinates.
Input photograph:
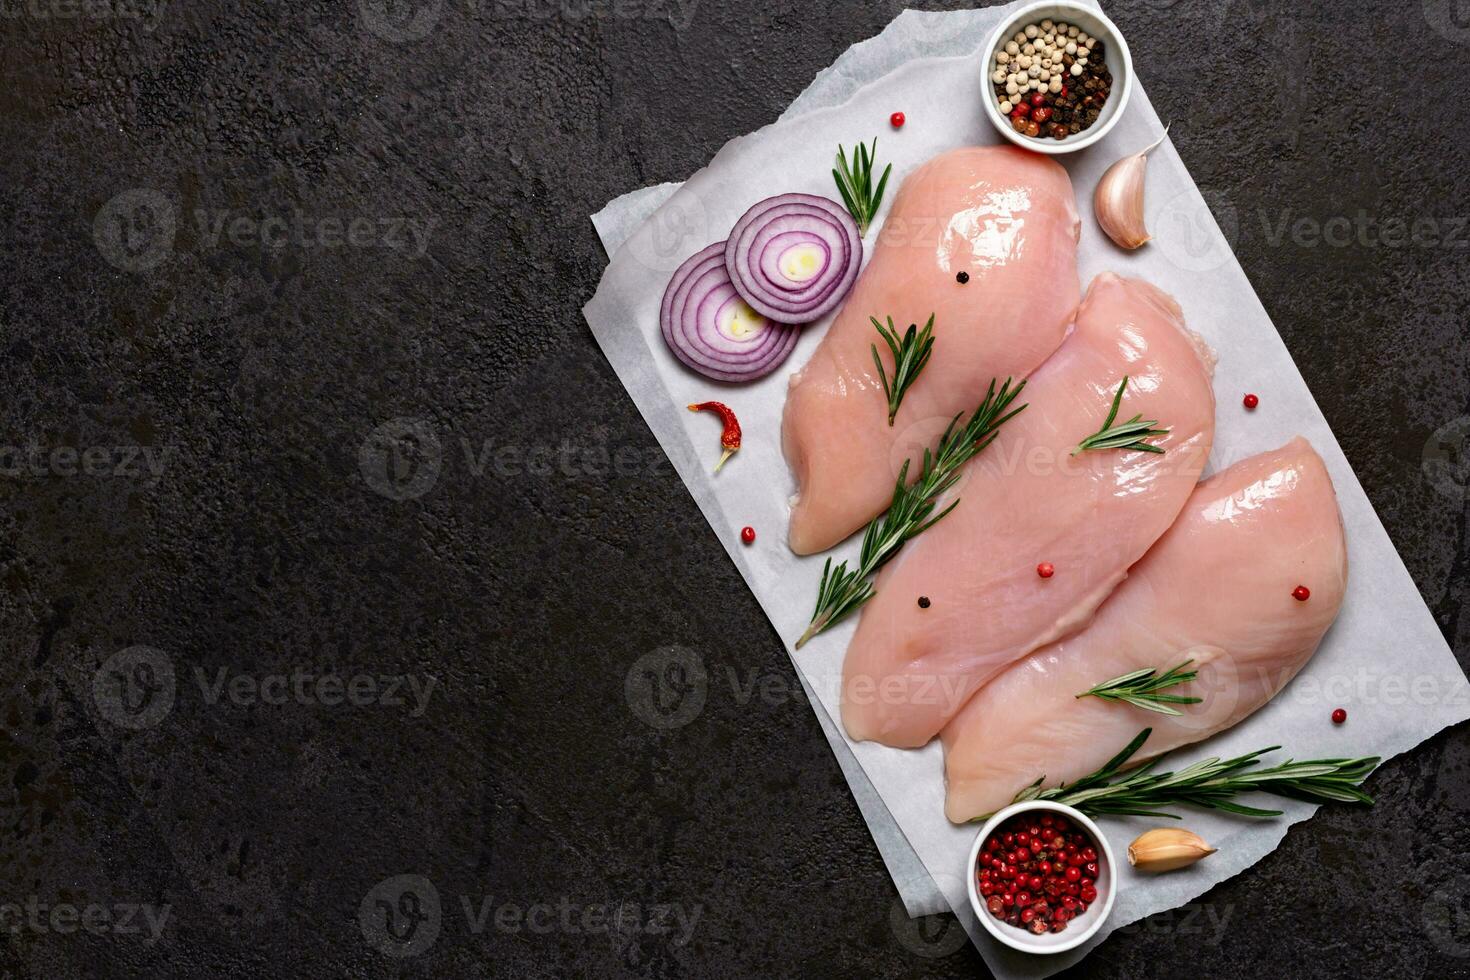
(1384, 660)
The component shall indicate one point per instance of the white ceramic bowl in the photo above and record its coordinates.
(1119, 62)
(1080, 929)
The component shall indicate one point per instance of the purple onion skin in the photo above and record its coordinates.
(689, 319)
(778, 223)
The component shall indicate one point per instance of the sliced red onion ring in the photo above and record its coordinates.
(712, 330)
(794, 257)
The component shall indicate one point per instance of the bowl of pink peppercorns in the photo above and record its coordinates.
(1057, 77)
(1041, 877)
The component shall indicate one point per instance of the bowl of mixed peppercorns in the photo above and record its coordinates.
(1057, 77)
(1041, 877)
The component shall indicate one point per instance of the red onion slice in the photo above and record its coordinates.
(794, 257)
(712, 330)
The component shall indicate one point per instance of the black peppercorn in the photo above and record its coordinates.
(924, 600)
(962, 278)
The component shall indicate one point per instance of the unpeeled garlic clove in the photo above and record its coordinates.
(1118, 200)
(1166, 849)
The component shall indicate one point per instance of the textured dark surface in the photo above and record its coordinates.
(554, 548)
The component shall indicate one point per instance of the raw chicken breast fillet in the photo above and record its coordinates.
(1027, 500)
(1217, 588)
(1008, 220)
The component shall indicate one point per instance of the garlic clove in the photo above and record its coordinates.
(1118, 200)
(1167, 849)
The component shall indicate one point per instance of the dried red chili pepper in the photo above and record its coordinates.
(730, 437)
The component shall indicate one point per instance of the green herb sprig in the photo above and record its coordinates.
(855, 183)
(911, 511)
(1130, 435)
(910, 354)
(1211, 784)
(1141, 689)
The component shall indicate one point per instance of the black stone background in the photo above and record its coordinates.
(530, 586)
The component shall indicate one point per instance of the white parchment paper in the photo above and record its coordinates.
(1384, 659)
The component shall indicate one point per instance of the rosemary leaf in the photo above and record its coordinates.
(1129, 435)
(911, 511)
(1141, 689)
(1210, 784)
(855, 184)
(910, 354)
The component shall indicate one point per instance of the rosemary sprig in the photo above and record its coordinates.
(910, 354)
(1141, 689)
(855, 183)
(1211, 784)
(1129, 435)
(911, 511)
